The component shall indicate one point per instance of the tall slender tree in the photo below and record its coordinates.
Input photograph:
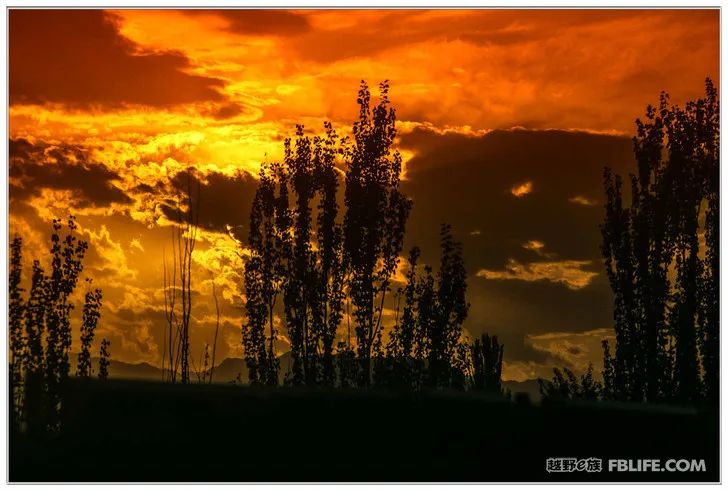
(329, 269)
(34, 402)
(91, 315)
(300, 284)
(449, 310)
(375, 218)
(405, 368)
(217, 331)
(665, 324)
(297, 251)
(104, 359)
(15, 324)
(263, 280)
(66, 266)
(178, 282)
(487, 356)
(693, 145)
(40, 330)
(708, 109)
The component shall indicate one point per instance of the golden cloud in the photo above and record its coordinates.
(581, 200)
(522, 189)
(569, 273)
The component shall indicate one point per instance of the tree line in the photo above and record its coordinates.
(660, 244)
(323, 275)
(39, 322)
(326, 273)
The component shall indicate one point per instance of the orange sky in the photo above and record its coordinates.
(106, 107)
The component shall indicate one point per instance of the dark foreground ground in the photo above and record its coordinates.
(144, 431)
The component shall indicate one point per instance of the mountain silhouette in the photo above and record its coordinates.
(234, 370)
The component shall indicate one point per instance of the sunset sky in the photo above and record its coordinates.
(506, 119)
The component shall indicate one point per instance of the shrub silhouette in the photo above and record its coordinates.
(487, 355)
(565, 385)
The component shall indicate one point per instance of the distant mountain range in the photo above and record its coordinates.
(233, 370)
(229, 370)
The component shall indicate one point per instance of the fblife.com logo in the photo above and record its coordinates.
(593, 464)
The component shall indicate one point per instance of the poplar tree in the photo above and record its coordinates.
(263, 280)
(296, 253)
(405, 368)
(66, 266)
(665, 324)
(91, 315)
(487, 359)
(40, 330)
(15, 324)
(449, 308)
(375, 218)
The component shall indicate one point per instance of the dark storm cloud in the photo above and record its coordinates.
(256, 21)
(35, 167)
(222, 201)
(513, 310)
(467, 181)
(78, 57)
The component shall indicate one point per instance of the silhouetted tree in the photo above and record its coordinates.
(347, 366)
(299, 284)
(314, 284)
(91, 315)
(34, 401)
(104, 359)
(426, 311)
(205, 369)
(297, 252)
(405, 366)
(179, 314)
(375, 217)
(329, 293)
(449, 310)
(487, 356)
(186, 240)
(40, 330)
(172, 328)
(264, 276)
(710, 282)
(609, 374)
(427, 346)
(660, 322)
(217, 330)
(66, 266)
(321, 266)
(693, 145)
(15, 324)
(566, 385)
